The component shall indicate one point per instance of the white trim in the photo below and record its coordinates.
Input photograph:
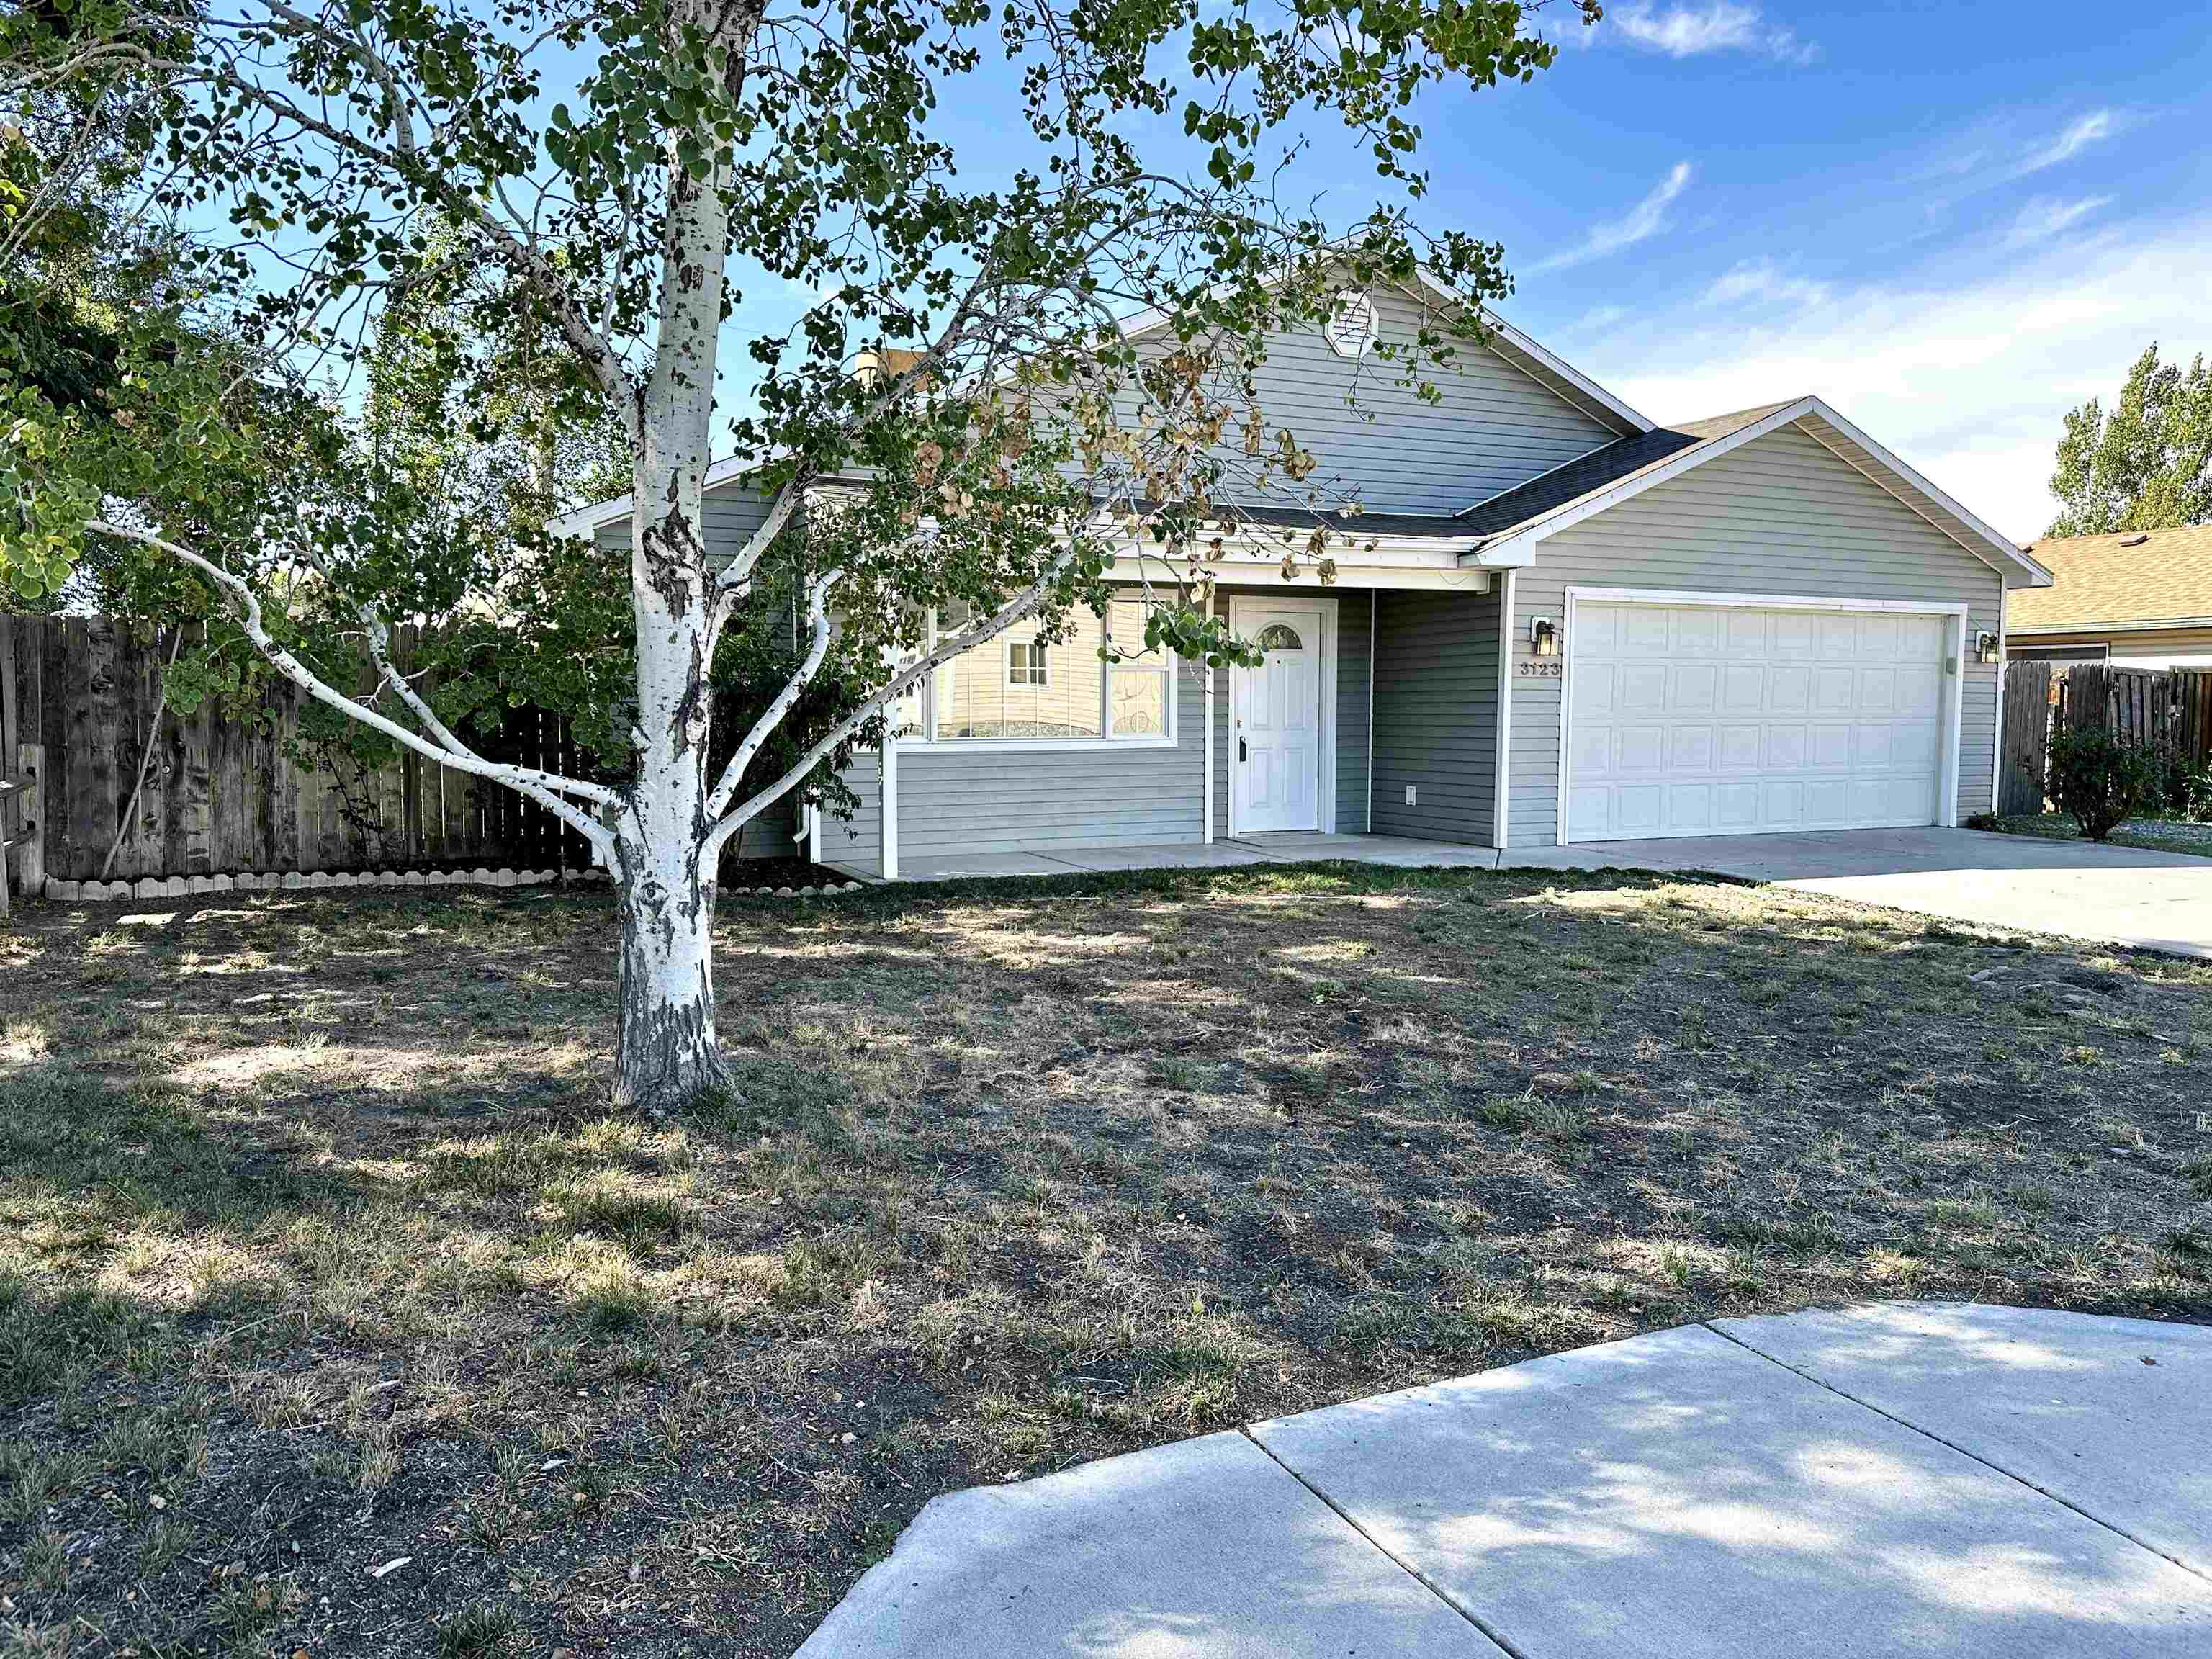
(1502, 828)
(1920, 481)
(1207, 815)
(1374, 604)
(888, 763)
(1169, 668)
(1519, 547)
(1947, 781)
(1528, 347)
(1034, 664)
(1762, 601)
(1325, 761)
(814, 833)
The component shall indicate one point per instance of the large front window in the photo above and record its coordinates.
(1019, 689)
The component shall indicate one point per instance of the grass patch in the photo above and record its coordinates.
(2157, 834)
(319, 1251)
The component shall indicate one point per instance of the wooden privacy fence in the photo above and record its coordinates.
(228, 794)
(2168, 709)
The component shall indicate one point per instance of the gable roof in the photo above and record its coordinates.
(1512, 523)
(2129, 579)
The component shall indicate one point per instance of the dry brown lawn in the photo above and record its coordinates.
(320, 1252)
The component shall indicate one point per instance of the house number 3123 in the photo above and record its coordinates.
(1537, 668)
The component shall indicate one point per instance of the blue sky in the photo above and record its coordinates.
(1953, 221)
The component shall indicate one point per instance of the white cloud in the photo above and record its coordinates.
(2090, 129)
(1642, 222)
(2047, 216)
(1722, 26)
(1763, 282)
(1969, 378)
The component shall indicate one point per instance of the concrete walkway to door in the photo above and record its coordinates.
(2115, 895)
(1931, 1478)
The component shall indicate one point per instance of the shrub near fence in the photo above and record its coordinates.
(2165, 710)
(227, 794)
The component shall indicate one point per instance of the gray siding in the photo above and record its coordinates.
(1353, 610)
(1492, 426)
(971, 798)
(730, 513)
(1781, 514)
(1436, 715)
(859, 842)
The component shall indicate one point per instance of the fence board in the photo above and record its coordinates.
(232, 791)
(2169, 710)
(2027, 737)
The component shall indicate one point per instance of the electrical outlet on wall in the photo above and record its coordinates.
(1411, 793)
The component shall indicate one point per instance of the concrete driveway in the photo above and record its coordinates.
(1925, 1479)
(2119, 894)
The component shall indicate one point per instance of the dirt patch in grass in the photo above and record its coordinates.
(336, 1315)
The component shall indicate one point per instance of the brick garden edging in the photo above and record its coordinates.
(291, 881)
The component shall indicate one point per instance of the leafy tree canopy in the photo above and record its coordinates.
(2147, 466)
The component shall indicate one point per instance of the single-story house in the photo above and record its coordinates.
(2140, 597)
(1574, 624)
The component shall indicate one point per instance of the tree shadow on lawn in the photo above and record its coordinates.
(1024, 1173)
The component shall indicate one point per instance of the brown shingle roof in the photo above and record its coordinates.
(2166, 577)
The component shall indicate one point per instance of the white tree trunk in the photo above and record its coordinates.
(666, 1052)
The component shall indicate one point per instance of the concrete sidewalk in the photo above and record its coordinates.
(1924, 1478)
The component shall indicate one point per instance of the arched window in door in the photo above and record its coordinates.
(1280, 637)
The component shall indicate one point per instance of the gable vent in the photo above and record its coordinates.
(1352, 324)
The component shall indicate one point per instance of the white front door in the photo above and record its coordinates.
(1274, 720)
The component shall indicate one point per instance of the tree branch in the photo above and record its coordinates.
(548, 789)
(981, 634)
(818, 616)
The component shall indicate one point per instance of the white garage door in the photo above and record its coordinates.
(1705, 721)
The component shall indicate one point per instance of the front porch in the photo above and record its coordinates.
(1401, 851)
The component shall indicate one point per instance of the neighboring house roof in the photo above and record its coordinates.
(1511, 523)
(2129, 580)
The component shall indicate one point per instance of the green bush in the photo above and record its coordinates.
(2101, 781)
(2186, 792)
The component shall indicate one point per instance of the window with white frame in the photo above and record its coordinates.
(1020, 689)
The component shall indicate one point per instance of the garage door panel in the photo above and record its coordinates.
(1639, 749)
(1735, 806)
(1691, 749)
(1645, 631)
(1689, 806)
(1697, 633)
(1594, 685)
(1835, 690)
(1701, 719)
(1828, 747)
(1919, 692)
(1693, 688)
